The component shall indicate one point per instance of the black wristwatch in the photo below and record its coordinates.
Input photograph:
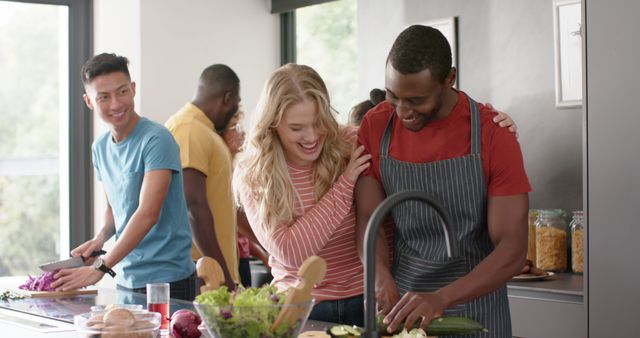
(99, 265)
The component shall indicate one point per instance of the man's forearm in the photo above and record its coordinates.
(153, 192)
(107, 231)
(369, 194)
(382, 251)
(204, 235)
(139, 225)
(109, 228)
(495, 270)
(507, 226)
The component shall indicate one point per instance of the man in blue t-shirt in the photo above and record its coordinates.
(138, 163)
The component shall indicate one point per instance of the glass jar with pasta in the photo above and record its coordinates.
(577, 226)
(551, 240)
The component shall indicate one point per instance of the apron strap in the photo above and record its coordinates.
(476, 143)
(386, 137)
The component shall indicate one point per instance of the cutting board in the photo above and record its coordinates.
(70, 293)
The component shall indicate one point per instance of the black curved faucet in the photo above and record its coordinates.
(370, 330)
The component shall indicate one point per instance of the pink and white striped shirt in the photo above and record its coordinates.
(326, 229)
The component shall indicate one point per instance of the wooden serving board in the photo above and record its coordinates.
(70, 293)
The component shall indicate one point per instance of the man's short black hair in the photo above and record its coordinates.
(102, 64)
(220, 77)
(421, 47)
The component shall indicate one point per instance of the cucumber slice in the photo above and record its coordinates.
(354, 331)
(344, 331)
(339, 331)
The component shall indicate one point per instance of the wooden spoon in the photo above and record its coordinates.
(210, 272)
(311, 272)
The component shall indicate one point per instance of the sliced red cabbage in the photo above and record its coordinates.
(40, 283)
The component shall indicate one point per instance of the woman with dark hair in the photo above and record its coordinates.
(376, 96)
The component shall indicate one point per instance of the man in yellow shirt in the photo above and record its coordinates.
(207, 167)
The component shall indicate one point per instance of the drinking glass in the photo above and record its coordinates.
(158, 301)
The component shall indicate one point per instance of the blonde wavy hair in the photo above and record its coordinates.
(262, 168)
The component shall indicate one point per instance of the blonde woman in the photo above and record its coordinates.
(295, 182)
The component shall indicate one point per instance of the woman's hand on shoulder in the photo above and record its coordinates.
(358, 163)
(504, 120)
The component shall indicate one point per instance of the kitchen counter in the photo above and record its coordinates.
(560, 287)
(53, 317)
(14, 324)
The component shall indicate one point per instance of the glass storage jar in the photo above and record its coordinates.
(531, 242)
(551, 240)
(577, 226)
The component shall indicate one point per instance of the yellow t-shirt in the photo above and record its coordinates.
(201, 148)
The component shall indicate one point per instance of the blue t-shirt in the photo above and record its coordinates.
(164, 255)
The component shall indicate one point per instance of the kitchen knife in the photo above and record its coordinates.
(72, 262)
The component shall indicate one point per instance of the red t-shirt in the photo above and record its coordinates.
(448, 138)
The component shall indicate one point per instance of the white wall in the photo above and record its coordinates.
(169, 42)
(116, 29)
(375, 37)
(181, 38)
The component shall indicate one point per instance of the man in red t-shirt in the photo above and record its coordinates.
(427, 136)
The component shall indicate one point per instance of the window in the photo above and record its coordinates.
(323, 36)
(44, 167)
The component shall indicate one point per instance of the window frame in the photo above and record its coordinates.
(288, 38)
(80, 122)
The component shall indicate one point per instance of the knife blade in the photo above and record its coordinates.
(73, 262)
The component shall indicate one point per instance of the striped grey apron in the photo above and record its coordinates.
(420, 259)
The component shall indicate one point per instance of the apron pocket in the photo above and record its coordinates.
(422, 275)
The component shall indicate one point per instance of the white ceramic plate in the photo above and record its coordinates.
(527, 277)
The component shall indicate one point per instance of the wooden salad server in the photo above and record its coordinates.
(209, 270)
(311, 272)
